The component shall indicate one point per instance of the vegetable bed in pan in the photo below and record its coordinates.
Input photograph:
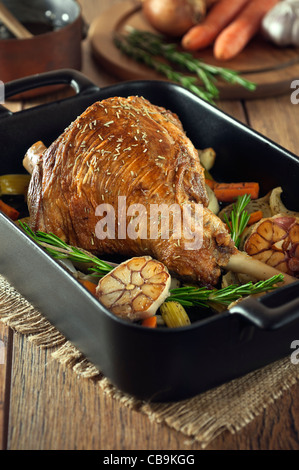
(216, 347)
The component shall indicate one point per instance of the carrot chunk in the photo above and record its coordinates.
(255, 217)
(11, 212)
(210, 183)
(228, 192)
(90, 286)
(150, 322)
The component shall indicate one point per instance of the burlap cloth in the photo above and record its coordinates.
(228, 407)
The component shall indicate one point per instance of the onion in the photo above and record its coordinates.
(173, 17)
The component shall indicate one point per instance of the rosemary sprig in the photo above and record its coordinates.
(155, 45)
(191, 296)
(58, 249)
(188, 296)
(140, 55)
(238, 218)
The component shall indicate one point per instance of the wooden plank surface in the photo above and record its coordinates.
(44, 395)
(277, 119)
(43, 405)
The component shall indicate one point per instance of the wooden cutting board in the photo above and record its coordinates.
(272, 68)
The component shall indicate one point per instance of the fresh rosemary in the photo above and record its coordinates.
(191, 296)
(140, 55)
(58, 249)
(150, 48)
(188, 296)
(238, 219)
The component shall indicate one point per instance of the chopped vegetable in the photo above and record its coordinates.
(14, 184)
(11, 212)
(232, 40)
(90, 286)
(33, 155)
(238, 218)
(213, 201)
(220, 15)
(174, 315)
(207, 158)
(254, 217)
(150, 322)
(135, 289)
(276, 204)
(210, 183)
(228, 192)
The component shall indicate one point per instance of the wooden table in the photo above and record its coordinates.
(38, 396)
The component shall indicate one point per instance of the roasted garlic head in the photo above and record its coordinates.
(275, 241)
(135, 289)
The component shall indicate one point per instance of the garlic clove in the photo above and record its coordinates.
(280, 24)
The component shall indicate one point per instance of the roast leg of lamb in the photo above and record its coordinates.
(128, 147)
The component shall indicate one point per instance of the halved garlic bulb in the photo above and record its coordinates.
(275, 241)
(135, 289)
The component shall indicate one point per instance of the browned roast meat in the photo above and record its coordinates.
(130, 148)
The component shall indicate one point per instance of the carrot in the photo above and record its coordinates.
(9, 211)
(220, 15)
(90, 286)
(228, 192)
(232, 40)
(150, 322)
(255, 217)
(210, 183)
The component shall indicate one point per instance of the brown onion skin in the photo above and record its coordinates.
(170, 17)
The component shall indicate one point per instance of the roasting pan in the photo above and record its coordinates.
(161, 364)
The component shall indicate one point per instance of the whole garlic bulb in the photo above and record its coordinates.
(281, 23)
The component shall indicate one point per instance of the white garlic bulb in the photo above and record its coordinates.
(281, 23)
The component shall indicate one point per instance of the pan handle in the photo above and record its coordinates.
(4, 111)
(79, 82)
(271, 311)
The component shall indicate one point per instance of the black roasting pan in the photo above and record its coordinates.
(160, 364)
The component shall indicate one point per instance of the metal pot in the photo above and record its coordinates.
(57, 27)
